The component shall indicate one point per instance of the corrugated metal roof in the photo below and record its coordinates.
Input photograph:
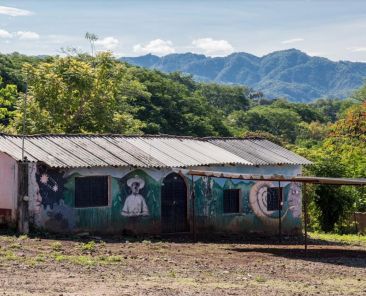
(71, 151)
(259, 151)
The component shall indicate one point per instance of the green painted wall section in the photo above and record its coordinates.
(63, 216)
(211, 216)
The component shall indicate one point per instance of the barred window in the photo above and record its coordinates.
(231, 201)
(91, 191)
(273, 193)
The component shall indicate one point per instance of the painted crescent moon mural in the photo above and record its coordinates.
(258, 203)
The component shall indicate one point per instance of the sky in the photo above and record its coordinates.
(335, 29)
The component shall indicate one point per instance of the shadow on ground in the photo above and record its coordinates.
(332, 254)
(250, 239)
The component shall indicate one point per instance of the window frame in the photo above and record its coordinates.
(239, 201)
(109, 192)
(282, 191)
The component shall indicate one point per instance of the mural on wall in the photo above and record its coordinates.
(46, 189)
(50, 184)
(135, 204)
(35, 201)
(258, 203)
(59, 218)
(294, 200)
(209, 203)
(138, 196)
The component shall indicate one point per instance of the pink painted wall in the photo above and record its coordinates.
(8, 183)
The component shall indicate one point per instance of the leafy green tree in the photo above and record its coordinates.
(340, 154)
(360, 94)
(332, 109)
(174, 108)
(225, 97)
(69, 95)
(307, 112)
(8, 99)
(11, 68)
(333, 202)
(276, 121)
(311, 134)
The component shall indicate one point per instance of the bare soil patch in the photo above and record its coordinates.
(125, 266)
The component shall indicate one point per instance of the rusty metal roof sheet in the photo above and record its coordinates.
(70, 151)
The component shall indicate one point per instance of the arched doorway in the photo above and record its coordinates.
(174, 204)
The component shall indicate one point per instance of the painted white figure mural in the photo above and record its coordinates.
(294, 200)
(135, 204)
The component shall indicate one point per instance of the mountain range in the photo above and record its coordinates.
(289, 73)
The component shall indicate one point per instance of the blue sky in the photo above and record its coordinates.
(333, 29)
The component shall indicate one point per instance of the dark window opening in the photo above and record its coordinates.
(91, 191)
(273, 194)
(231, 200)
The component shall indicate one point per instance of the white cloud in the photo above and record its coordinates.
(12, 11)
(294, 40)
(27, 35)
(5, 34)
(357, 49)
(108, 42)
(213, 47)
(157, 46)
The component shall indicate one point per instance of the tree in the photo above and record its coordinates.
(8, 98)
(174, 107)
(224, 97)
(360, 94)
(91, 37)
(307, 112)
(332, 109)
(276, 121)
(340, 154)
(333, 202)
(69, 95)
(310, 134)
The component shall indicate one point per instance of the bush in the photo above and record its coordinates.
(332, 202)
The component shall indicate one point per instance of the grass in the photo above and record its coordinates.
(88, 247)
(8, 256)
(350, 239)
(15, 246)
(56, 246)
(260, 279)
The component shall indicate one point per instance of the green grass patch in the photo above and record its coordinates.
(260, 279)
(56, 246)
(8, 255)
(83, 260)
(88, 247)
(351, 239)
(40, 258)
(59, 257)
(15, 246)
(110, 259)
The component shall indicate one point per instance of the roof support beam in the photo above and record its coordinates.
(282, 178)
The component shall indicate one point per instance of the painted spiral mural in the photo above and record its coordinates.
(258, 202)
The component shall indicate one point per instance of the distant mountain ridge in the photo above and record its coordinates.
(289, 73)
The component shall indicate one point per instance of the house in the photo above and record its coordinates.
(142, 184)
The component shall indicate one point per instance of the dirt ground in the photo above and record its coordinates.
(126, 266)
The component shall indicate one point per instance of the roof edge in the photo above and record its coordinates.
(132, 136)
